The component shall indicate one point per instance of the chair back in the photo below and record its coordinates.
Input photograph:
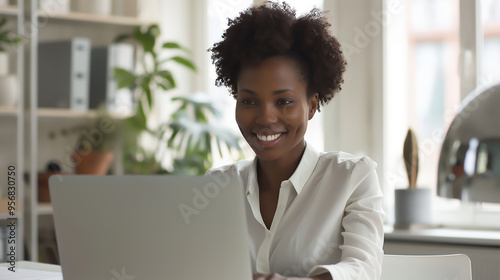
(428, 267)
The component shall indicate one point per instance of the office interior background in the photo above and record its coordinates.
(410, 64)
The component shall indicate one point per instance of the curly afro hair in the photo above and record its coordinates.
(272, 29)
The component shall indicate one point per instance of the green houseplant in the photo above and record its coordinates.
(191, 122)
(96, 142)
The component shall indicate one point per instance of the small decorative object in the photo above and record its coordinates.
(413, 206)
(53, 168)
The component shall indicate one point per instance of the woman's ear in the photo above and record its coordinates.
(313, 105)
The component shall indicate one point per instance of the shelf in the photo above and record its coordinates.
(9, 10)
(8, 111)
(44, 208)
(67, 113)
(5, 216)
(95, 18)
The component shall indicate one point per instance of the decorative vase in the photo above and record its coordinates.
(93, 163)
(8, 90)
(100, 7)
(4, 64)
(413, 207)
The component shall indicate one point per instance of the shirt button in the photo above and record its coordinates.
(269, 235)
(281, 206)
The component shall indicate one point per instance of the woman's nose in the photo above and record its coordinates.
(267, 115)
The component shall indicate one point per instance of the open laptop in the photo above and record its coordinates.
(150, 227)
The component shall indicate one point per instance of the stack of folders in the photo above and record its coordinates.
(74, 75)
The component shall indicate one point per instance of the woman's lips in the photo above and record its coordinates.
(268, 140)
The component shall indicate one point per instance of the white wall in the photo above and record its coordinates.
(353, 120)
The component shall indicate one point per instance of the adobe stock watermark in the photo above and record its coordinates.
(203, 195)
(121, 276)
(322, 251)
(363, 36)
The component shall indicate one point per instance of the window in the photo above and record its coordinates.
(431, 66)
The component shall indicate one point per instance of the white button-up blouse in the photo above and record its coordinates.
(329, 218)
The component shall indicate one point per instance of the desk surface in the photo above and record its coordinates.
(445, 235)
(35, 266)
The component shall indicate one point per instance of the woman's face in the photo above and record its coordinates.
(272, 108)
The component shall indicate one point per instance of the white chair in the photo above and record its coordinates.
(428, 267)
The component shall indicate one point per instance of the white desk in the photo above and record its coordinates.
(31, 270)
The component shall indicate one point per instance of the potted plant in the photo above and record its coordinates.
(413, 206)
(8, 82)
(166, 139)
(94, 151)
(95, 145)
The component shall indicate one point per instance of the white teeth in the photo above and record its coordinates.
(268, 137)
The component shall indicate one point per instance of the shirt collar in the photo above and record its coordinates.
(300, 175)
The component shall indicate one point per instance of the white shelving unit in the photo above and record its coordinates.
(15, 116)
(29, 120)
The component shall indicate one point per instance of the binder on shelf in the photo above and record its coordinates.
(103, 87)
(64, 74)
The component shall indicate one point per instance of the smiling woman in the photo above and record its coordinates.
(309, 213)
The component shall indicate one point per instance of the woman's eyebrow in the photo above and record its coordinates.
(274, 93)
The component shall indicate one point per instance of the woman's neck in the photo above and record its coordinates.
(271, 173)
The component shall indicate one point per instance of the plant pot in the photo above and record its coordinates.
(413, 207)
(100, 7)
(93, 163)
(8, 90)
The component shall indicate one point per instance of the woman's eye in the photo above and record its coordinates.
(247, 102)
(284, 101)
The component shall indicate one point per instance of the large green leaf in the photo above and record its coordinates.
(173, 45)
(124, 78)
(147, 40)
(166, 80)
(183, 61)
(145, 86)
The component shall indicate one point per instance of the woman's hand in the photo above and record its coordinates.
(275, 276)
